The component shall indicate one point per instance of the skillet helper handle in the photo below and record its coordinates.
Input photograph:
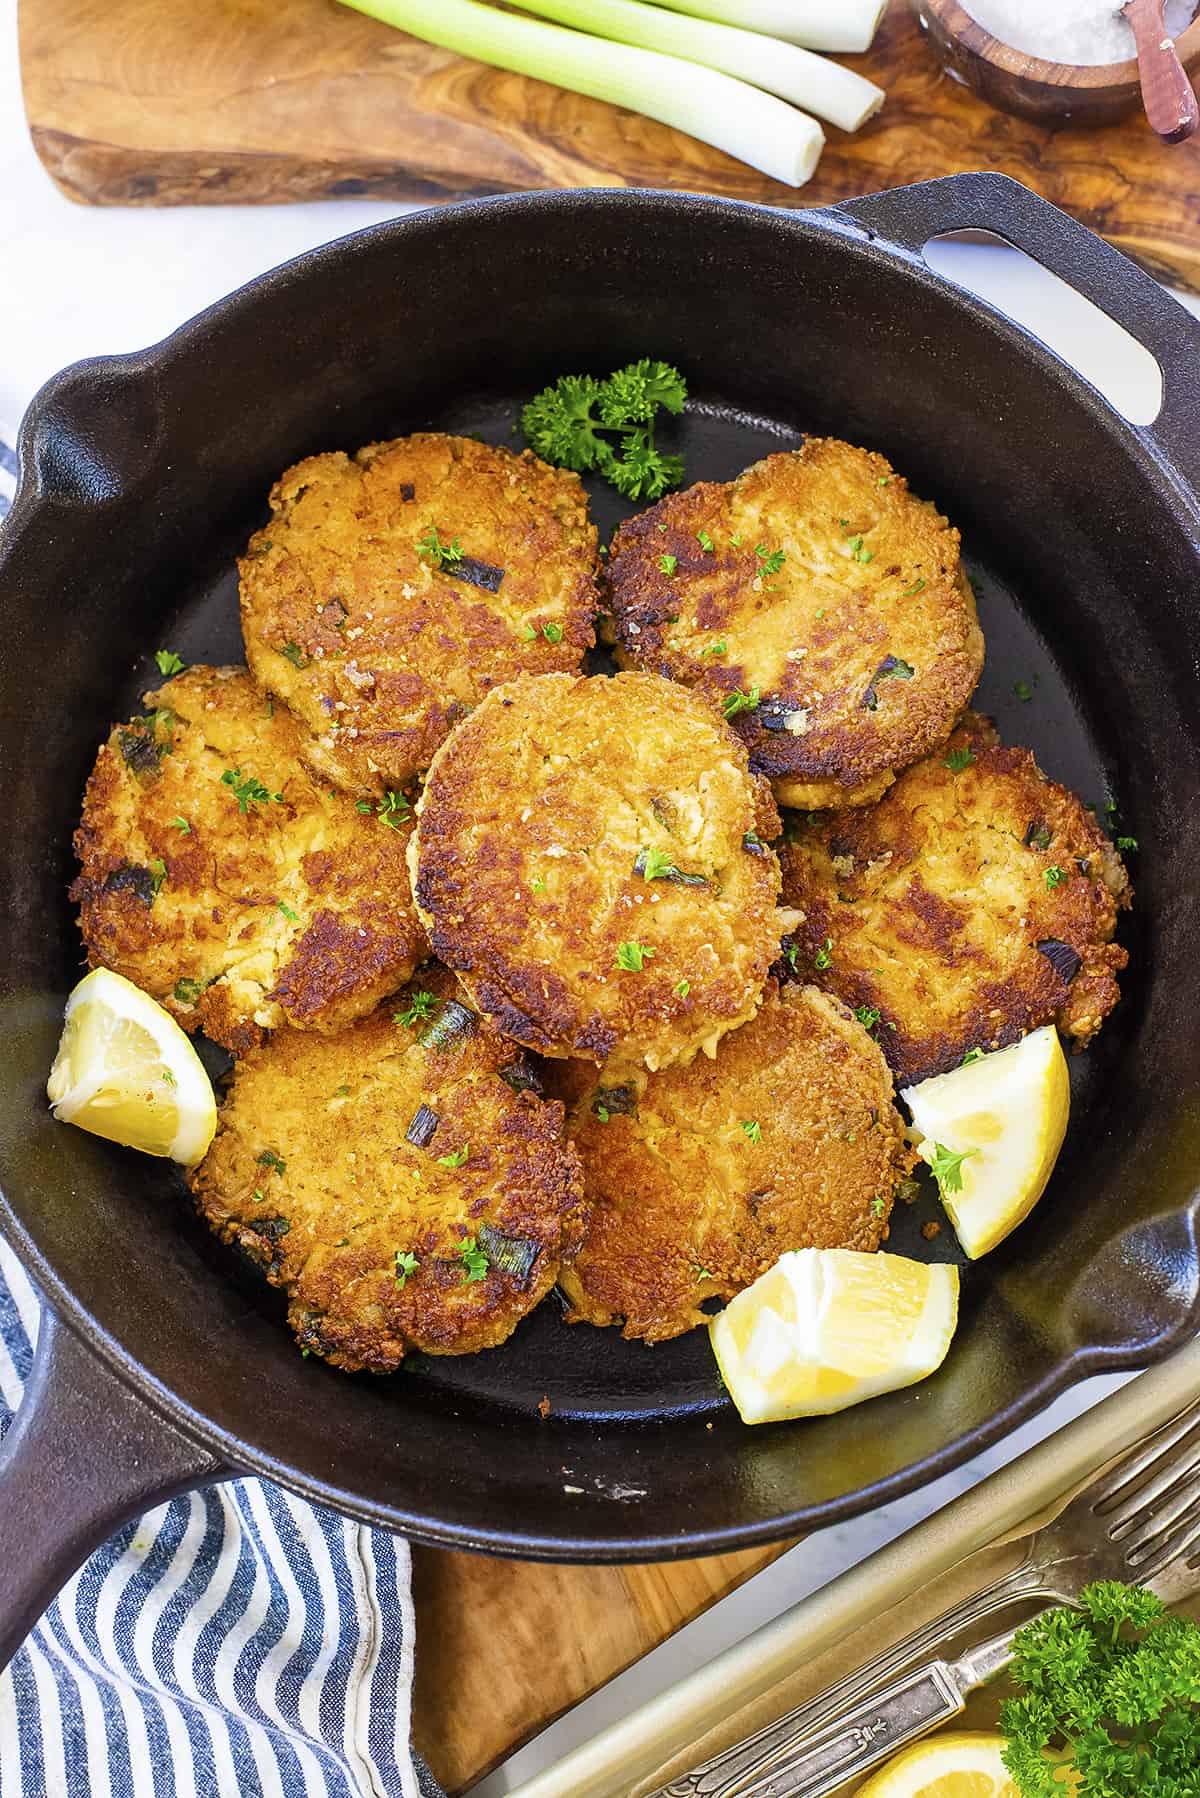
(907, 217)
(787, 1762)
(83, 1455)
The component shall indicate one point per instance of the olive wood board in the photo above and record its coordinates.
(504, 1647)
(162, 102)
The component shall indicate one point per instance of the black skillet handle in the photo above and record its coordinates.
(908, 217)
(84, 1454)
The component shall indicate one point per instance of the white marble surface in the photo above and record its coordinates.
(78, 282)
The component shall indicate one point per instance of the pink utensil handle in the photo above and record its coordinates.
(1167, 93)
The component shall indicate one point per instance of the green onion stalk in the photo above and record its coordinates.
(753, 126)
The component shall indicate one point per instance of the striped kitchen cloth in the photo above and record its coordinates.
(234, 1643)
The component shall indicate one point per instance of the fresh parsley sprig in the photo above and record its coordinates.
(570, 424)
(1115, 1688)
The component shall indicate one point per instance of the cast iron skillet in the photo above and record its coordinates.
(142, 476)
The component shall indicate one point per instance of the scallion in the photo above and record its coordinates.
(755, 127)
(811, 82)
(840, 25)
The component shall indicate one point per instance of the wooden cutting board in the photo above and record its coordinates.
(164, 102)
(503, 1647)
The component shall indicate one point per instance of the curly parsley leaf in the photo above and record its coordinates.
(406, 1264)
(474, 1259)
(946, 1167)
(416, 1011)
(632, 957)
(570, 423)
(247, 790)
(168, 662)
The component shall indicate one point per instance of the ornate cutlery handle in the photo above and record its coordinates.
(786, 1762)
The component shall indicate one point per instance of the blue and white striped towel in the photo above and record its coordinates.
(235, 1643)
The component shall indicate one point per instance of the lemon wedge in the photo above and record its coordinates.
(953, 1764)
(991, 1132)
(825, 1328)
(126, 1071)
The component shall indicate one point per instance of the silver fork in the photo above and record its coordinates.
(1140, 1521)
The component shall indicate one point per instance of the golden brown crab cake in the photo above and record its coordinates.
(403, 1181)
(217, 875)
(393, 588)
(700, 1177)
(819, 603)
(975, 902)
(591, 858)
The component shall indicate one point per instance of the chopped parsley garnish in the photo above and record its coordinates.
(602, 1112)
(537, 884)
(736, 540)
(570, 423)
(474, 1259)
(911, 592)
(824, 957)
(715, 649)
(791, 954)
(1126, 843)
(1023, 690)
(705, 541)
(188, 991)
(878, 1207)
(169, 1077)
(406, 1265)
(652, 864)
(741, 702)
(958, 759)
(752, 1129)
(529, 634)
(868, 1015)
(1054, 877)
(393, 809)
(946, 1167)
(684, 988)
(181, 825)
(270, 1159)
(295, 655)
(169, 662)
(632, 957)
(456, 1157)
(885, 480)
(416, 1011)
(1108, 1700)
(859, 553)
(158, 869)
(770, 561)
(247, 790)
(668, 564)
(341, 1092)
(552, 633)
(432, 549)
(970, 1056)
(293, 917)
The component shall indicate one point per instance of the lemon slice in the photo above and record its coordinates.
(126, 1071)
(954, 1764)
(825, 1328)
(1006, 1115)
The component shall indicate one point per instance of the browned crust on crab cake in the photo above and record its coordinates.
(296, 908)
(686, 1206)
(353, 1193)
(379, 650)
(532, 819)
(870, 582)
(929, 907)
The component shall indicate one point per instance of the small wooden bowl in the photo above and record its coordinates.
(1052, 93)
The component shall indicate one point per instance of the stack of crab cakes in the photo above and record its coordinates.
(526, 981)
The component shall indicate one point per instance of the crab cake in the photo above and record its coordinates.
(975, 902)
(819, 603)
(218, 876)
(700, 1177)
(391, 589)
(403, 1181)
(591, 858)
